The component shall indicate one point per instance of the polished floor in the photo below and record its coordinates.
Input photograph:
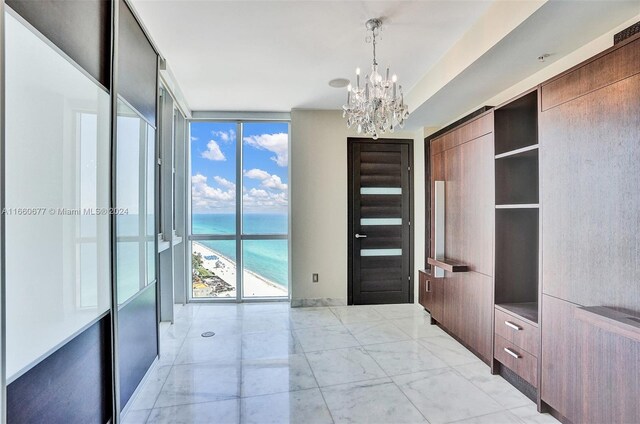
(268, 363)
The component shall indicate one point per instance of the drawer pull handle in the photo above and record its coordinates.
(512, 353)
(512, 325)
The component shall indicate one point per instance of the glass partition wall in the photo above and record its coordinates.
(239, 210)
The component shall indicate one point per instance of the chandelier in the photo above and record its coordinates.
(378, 106)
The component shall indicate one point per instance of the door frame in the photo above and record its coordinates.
(363, 140)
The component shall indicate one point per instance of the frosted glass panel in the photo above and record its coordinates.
(381, 252)
(380, 221)
(135, 202)
(57, 173)
(380, 190)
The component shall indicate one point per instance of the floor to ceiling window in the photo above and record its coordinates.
(239, 210)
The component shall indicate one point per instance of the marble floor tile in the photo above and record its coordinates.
(283, 363)
(353, 314)
(404, 357)
(203, 382)
(207, 349)
(371, 401)
(268, 376)
(178, 330)
(323, 338)
(224, 311)
(268, 322)
(530, 415)
(136, 417)
(418, 327)
(343, 366)
(449, 350)
(169, 349)
(495, 386)
(376, 332)
(305, 318)
(404, 310)
(443, 395)
(503, 417)
(185, 312)
(269, 345)
(220, 326)
(248, 310)
(148, 393)
(304, 406)
(221, 412)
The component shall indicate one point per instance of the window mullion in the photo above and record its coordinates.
(239, 185)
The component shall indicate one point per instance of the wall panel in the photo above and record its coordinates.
(80, 28)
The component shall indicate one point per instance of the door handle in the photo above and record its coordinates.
(361, 236)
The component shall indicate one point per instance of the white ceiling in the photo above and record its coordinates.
(557, 28)
(280, 55)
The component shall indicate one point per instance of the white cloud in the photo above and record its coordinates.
(276, 143)
(256, 174)
(194, 138)
(275, 183)
(225, 136)
(259, 200)
(224, 183)
(267, 180)
(213, 152)
(207, 199)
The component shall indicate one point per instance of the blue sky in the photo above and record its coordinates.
(265, 167)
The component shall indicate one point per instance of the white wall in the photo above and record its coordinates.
(319, 203)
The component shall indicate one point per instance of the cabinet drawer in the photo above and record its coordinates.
(517, 360)
(517, 331)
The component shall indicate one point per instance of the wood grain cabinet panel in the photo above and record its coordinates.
(462, 302)
(469, 211)
(604, 69)
(467, 310)
(589, 374)
(517, 331)
(431, 295)
(517, 359)
(590, 150)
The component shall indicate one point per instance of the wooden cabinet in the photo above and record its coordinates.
(462, 301)
(431, 295)
(590, 170)
(589, 128)
(552, 294)
(590, 367)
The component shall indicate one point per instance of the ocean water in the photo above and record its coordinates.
(268, 258)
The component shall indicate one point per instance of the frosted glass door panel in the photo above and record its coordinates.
(381, 190)
(57, 174)
(381, 252)
(380, 221)
(135, 202)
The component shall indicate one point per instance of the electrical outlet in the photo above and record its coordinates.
(315, 278)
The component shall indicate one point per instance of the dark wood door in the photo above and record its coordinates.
(380, 236)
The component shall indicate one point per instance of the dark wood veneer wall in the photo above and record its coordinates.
(572, 321)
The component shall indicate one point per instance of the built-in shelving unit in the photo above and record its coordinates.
(517, 207)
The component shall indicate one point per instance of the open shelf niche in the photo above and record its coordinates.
(517, 207)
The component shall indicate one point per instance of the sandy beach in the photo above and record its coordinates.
(225, 268)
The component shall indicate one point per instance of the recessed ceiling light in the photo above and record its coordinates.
(339, 82)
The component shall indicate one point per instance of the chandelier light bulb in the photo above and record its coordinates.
(394, 78)
(357, 71)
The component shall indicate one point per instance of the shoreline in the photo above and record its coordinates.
(257, 283)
